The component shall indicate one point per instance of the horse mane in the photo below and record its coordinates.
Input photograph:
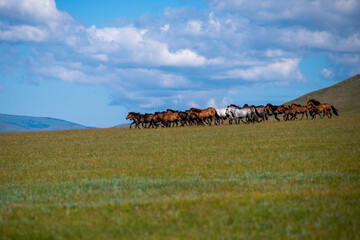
(233, 105)
(298, 105)
(260, 106)
(195, 109)
(272, 106)
(171, 110)
(245, 105)
(316, 102)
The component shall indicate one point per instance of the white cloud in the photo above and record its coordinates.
(211, 103)
(274, 53)
(326, 72)
(165, 28)
(31, 10)
(284, 70)
(101, 57)
(23, 33)
(149, 64)
(194, 27)
(151, 78)
(132, 45)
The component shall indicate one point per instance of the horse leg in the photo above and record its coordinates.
(275, 115)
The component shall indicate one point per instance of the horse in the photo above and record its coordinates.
(135, 118)
(275, 110)
(236, 114)
(252, 108)
(288, 111)
(221, 114)
(261, 112)
(300, 109)
(204, 114)
(166, 118)
(316, 110)
(148, 118)
(328, 107)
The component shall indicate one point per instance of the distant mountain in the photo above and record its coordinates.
(344, 95)
(122, 125)
(13, 123)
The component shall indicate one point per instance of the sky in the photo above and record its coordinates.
(91, 62)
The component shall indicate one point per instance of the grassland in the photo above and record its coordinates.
(297, 180)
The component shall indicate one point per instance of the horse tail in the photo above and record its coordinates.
(257, 113)
(335, 110)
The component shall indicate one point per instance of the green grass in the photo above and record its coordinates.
(271, 180)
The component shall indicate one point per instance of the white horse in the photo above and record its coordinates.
(236, 114)
(221, 113)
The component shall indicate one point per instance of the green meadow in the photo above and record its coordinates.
(275, 180)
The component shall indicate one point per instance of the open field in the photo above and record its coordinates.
(298, 180)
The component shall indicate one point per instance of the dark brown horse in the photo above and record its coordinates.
(275, 110)
(148, 120)
(135, 118)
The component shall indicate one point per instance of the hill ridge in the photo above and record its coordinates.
(344, 95)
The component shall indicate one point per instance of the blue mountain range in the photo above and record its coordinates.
(14, 123)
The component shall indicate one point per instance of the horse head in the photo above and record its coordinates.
(130, 115)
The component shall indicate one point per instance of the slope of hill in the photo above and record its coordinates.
(13, 123)
(344, 95)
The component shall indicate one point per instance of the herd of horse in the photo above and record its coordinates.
(234, 114)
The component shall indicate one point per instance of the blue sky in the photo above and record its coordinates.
(91, 62)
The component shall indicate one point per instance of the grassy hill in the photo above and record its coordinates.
(273, 180)
(13, 123)
(344, 95)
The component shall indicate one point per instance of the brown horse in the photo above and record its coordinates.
(328, 107)
(166, 118)
(204, 115)
(148, 118)
(135, 118)
(300, 109)
(288, 111)
(316, 110)
(275, 110)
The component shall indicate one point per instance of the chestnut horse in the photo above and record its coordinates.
(326, 106)
(316, 110)
(300, 109)
(166, 118)
(288, 111)
(204, 114)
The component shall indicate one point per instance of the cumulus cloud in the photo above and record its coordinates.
(22, 33)
(284, 70)
(179, 57)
